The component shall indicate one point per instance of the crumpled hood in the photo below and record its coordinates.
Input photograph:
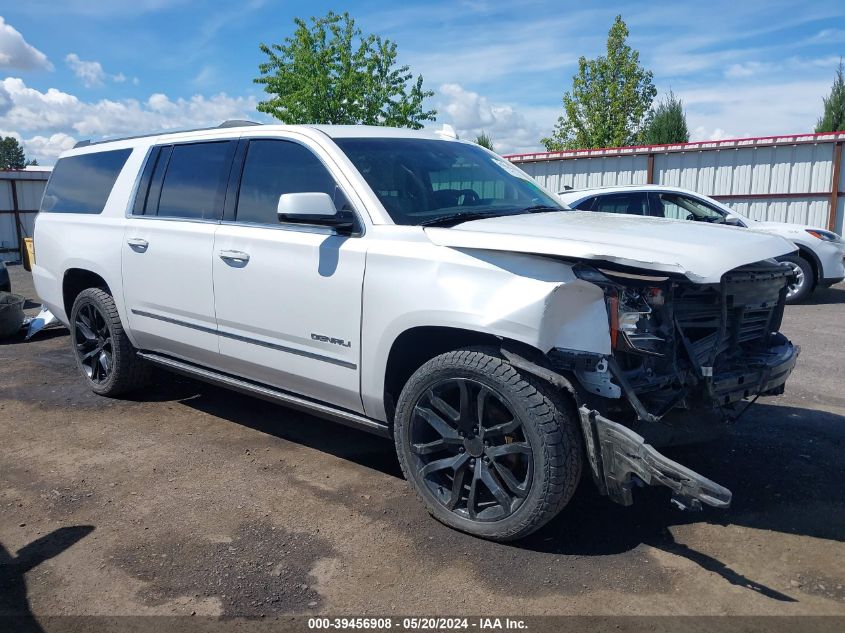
(702, 252)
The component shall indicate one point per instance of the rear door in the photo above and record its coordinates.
(167, 250)
(288, 296)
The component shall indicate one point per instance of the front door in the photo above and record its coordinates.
(288, 296)
(168, 248)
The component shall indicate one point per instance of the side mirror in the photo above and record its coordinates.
(312, 208)
(294, 207)
(733, 220)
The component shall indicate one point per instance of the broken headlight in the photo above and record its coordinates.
(633, 326)
(631, 307)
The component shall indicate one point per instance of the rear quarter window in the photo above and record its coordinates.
(82, 184)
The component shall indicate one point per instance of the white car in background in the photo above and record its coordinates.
(819, 261)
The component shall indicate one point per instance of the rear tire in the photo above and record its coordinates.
(103, 352)
(490, 451)
(805, 279)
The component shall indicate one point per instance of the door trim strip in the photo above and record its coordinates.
(246, 339)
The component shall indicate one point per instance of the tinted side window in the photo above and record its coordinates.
(585, 205)
(274, 167)
(82, 184)
(634, 203)
(194, 184)
(678, 207)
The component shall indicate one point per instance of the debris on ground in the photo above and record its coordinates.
(44, 320)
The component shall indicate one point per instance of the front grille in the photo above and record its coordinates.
(733, 317)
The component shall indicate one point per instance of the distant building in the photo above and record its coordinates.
(20, 197)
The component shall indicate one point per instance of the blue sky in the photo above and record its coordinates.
(75, 69)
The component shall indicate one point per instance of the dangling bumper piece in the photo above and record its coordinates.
(620, 460)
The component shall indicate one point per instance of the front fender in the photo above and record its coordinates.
(534, 300)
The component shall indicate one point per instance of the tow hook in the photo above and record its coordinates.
(620, 460)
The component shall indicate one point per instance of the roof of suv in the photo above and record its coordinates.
(333, 131)
(573, 194)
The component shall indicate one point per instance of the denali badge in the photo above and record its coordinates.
(326, 339)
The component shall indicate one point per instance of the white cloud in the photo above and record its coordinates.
(746, 69)
(702, 133)
(53, 119)
(753, 109)
(791, 66)
(47, 148)
(512, 130)
(6, 103)
(833, 36)
(17, 53)
(91, 73)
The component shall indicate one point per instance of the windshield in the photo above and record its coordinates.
(425, 182)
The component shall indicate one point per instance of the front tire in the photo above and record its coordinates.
(804, 279)
(490, 451)
(103, 352)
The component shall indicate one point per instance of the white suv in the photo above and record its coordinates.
(818, 262)
(421, 288)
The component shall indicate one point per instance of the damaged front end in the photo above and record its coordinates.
(687, 360)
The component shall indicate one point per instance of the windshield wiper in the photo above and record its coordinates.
(456, 218)
(541, 208)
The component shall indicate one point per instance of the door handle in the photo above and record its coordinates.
(234, 257)
(137, 244)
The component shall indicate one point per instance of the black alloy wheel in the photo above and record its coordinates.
(103, 351)
(470, 450)
(94, 347)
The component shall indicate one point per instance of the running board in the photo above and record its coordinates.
(265, 392)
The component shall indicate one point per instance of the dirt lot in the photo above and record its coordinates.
(191, 499)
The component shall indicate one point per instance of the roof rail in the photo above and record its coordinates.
(225, 124)
(238, 123)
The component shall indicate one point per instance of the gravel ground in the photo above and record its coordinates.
(194, 500)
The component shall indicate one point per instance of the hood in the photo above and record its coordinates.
(701, 252)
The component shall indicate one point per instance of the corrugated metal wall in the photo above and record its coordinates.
(584, 173)
(737, 175)
(30, 187)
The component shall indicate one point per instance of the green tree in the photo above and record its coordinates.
(330, 72)
(609, 101)
(485, 140)
(833, 119)
(11, 154)
(667, 123)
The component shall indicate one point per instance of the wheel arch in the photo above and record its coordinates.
(813, 260)
(75, 280)
(417, 345)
